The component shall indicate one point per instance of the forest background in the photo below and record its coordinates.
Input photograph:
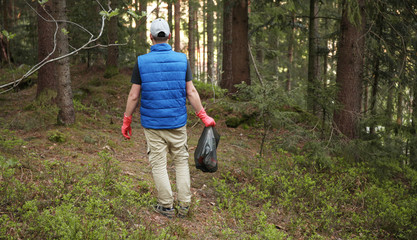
(315, 102)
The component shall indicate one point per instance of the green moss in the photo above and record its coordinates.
(111, 72)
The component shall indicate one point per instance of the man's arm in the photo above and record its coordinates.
(132, 100)
(195, 101)
(193, 96)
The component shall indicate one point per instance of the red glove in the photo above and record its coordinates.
(208, 121)
(126, 128)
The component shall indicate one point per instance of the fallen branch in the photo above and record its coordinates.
(45, 61)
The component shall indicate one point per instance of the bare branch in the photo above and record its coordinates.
(45, 61)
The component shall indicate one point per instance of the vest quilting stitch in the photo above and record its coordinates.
(163, 93)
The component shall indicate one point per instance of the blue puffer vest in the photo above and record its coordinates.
(163, 94)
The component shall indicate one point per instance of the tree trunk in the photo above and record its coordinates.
(390, 106)
(157, 9)
(227, 77)
(413, 145)
(349, 72)
(177, 14)
(46, 74)
(143, 44)
(399, 106)
(290, 52)
(313, 69)
(66, 113)
(210, 41)
(170, 19)
(240, 52)
(197, 50)
(4, 42)
(112, 51)
(376, 71)
(219, 42)
(191, 35)
(235, 45)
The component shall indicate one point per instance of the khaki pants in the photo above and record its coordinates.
(174, 142)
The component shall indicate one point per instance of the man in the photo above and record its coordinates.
(162, 79)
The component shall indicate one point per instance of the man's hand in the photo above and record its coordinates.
(208, 121)
(126, 128)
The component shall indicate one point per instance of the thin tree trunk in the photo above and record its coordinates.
(112, 51)
(227, 76)
(313, 71)
(197, 39)
(47, 74)
(210, 41)
(390, 106)
(399, 106)
(191, 35)
(375, 83)
(219, 41)
(143, 45)
(170, 19)
(203, 62)
(290, 53)
(157, 9)
(177, 13)
(66, 113)
(349, 72)
(413, 141)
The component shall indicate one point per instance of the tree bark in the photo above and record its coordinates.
(219, 41)
(413, 145)
(240, 51)
(66, 115)
(235, 45)
(376, 71)
(390, 106)
(177, 8)
(4, 43)
(399, 106)
(210, 40)
(47, 74)
(157, 9)
(143, 44)
(170, 19)
(227, 77)
(191, 35)
(290, 52)
(112, 51)
(313, 69)
(349, 72)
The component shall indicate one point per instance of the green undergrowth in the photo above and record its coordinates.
(57, 199)
(80, 182)
(344, 201)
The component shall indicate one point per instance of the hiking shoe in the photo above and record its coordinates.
(183, 211)
(167, 212)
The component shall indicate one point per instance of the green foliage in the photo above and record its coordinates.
(77, 204)
(338, 198)
(39, 114)
(209, 90)
(135, 15)
(111, 14)
(111, 72)
(56, 136)
(9, 140)
(42, 2)
(9, 36)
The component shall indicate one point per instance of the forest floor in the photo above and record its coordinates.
(86, 181)
(99, 118)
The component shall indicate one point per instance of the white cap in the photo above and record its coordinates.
(159, 25)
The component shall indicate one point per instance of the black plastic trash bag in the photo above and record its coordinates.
(205, 155)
